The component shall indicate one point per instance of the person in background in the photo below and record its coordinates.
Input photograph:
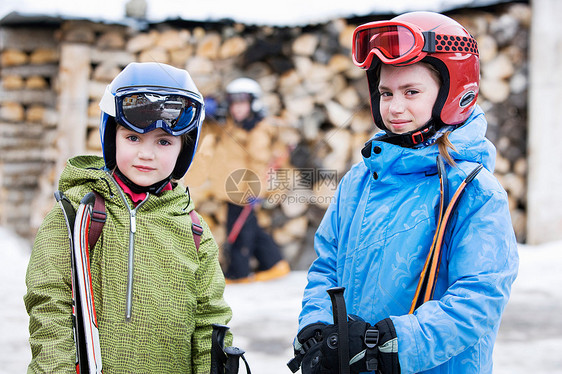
(419, 233)
(151, 119)
(241, 154)
(246, 113)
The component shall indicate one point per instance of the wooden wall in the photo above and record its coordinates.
(52, 78)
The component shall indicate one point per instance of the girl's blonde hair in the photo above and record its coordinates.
(443, 142)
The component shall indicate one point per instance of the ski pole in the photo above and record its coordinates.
(225, 360)
(240, 221)
(218, 357)
(233, 355)
(340, 320)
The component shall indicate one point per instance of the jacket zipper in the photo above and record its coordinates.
(130, 257)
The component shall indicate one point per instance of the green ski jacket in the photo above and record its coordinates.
(177, 290)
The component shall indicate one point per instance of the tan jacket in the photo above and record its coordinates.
(226, 152)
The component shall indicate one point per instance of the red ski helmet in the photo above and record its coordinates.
(427, 37)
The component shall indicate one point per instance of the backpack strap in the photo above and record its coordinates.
(99, 216)
(196, 228)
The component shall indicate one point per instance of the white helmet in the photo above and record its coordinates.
(248, 89)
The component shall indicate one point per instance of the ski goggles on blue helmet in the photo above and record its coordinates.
(143, 109)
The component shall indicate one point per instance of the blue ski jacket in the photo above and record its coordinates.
(375, 237)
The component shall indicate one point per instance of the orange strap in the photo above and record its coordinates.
(428, 276)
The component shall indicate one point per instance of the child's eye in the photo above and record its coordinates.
(412, 92)
(133, 138)
(164, 142)
(385, 94)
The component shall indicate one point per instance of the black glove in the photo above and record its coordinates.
(307, 349)
(387, 348)
(371, 348)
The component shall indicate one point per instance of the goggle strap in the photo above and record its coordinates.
(429, 41)
(454, 43)
(434, 43)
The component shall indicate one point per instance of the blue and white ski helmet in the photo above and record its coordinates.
(151, 76)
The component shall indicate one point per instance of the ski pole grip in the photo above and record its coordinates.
(336, 294)
(340, 320)
(218, 357)
(233, 355)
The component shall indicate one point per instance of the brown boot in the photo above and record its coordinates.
(278, 270)
(249, 279)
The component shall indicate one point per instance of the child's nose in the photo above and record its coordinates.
(146, 153)
(397, 105)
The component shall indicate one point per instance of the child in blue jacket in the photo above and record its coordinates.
(377, 237)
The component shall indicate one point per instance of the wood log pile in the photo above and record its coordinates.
(315, 96)
(29, 68)
(503, 44)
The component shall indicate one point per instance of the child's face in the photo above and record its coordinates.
(240, 110)
(407, 96)
(146, 158)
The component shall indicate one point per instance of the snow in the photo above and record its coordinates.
(14, 349)
(265, 314)
(277, 13)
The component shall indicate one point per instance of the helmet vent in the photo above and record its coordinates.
(467, 98)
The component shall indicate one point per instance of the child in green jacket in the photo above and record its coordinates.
(155, 315)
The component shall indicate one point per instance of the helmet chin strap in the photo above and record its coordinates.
(154, 189)
(413, 138)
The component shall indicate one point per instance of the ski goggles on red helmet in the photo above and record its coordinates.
(143, 109)
(403, 43)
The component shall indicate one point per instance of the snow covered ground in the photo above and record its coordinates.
(265, 314)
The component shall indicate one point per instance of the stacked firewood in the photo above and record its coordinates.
(316, 98)
(29, 69)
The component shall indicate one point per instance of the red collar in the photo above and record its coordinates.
(137, 197)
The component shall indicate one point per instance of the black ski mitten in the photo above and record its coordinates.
(387, 347)
(371, 348)
(307, 349)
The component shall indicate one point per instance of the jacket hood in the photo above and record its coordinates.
(85, 171)
(469, 141)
